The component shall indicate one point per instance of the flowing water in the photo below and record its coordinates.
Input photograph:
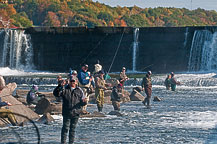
(187, 115)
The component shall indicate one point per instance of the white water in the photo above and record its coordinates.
(17, 52)
(135, 47)
(203, 55)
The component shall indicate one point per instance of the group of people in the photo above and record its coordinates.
(74, 93)
(171, 82)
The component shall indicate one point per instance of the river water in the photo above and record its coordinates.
(188, 115)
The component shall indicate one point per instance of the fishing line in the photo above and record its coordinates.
(31, 121)
(94, 48)
(116, 51)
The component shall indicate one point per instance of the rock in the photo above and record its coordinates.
(117, 113)
(46, 119)
(17, 107)
(112, 81)
(136, 96)
(94, 114)
(107, 97)
(56, 108)
(138, 89)
(43, 106)
(156, 99)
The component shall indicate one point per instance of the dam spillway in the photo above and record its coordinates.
(160, 49)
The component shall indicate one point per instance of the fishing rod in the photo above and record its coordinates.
(116, 51)
(94, 48)
(147, 67)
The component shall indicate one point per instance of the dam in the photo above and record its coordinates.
(160, 49)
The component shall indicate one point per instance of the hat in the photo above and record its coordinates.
(123, 68)
(74, 72)
(101, 72)
(149, 72)
(85, 65)
(172, 73)
(35, 87)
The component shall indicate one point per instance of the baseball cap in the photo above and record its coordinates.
(149, 72)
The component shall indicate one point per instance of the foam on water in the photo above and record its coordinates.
(6, 71)
(191, 119)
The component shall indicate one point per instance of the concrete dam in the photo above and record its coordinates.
(160, 49)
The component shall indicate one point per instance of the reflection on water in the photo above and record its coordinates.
(187, 115)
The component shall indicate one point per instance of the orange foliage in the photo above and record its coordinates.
(111, 24)
(11, 10)
(123, 23)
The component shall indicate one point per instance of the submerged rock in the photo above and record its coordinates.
(157, 99)
(43, 106)
(94, 114)
(117, 113)
(46, 119)
(136, 96)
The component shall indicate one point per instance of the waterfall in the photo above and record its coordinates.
(135, 47)
(203, 54)
(17, 51)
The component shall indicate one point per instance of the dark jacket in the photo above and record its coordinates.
(72, 100)
(114, 95)
(146, 82)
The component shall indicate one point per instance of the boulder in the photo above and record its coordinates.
(136, 96)
(138, 89)
(46, 119)
(17, 107)
(156, 99)
(43, 106)
(117, 113)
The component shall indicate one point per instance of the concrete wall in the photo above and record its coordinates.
(161, 49)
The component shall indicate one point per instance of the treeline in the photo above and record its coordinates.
(26, 13)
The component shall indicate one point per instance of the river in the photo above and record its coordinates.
(188, 115)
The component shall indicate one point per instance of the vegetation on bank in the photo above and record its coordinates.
(26, 13)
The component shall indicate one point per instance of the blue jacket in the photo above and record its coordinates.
(82, 77)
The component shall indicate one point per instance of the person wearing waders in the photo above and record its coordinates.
(147, 86)
(115, 97)
(73, 100)
(173, 82)
(167, 82)
(99, 90)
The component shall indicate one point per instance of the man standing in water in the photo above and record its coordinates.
(99, 90)
(167, 82)
(73, 101)
(147, 86)
(123, 77)
(173, 82)
(85, 80)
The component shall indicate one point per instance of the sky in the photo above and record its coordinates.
(189, 4)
